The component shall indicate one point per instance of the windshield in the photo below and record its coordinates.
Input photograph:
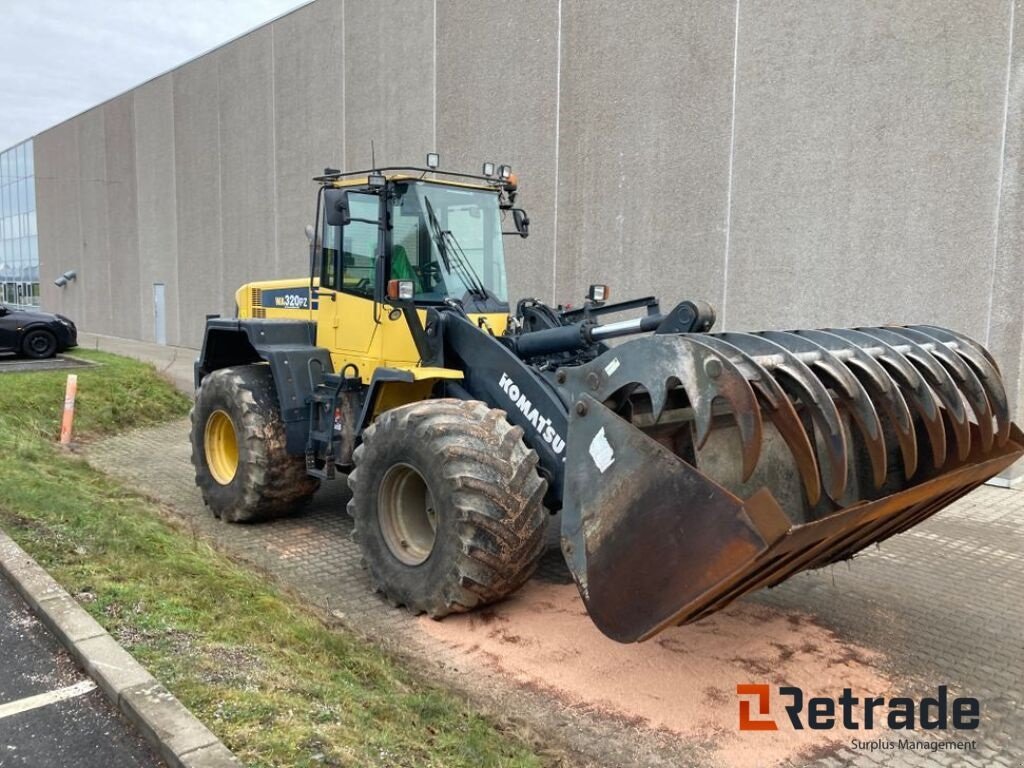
(448, 242)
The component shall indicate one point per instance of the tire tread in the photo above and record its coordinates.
(500, 517)
(275, 483)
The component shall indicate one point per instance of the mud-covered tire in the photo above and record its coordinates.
(487, 504)
(268, 482)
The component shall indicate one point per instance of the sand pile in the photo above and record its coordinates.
(683, 681)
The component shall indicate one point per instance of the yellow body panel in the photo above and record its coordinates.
(346, 326)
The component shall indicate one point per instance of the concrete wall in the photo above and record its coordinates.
(796, 162)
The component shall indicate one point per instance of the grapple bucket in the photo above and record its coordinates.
(701, 467)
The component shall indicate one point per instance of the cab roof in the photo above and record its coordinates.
(362, 181)
(447, 178)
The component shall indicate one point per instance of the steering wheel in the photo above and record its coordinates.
(431, 271)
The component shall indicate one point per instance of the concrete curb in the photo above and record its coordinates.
(179, 738)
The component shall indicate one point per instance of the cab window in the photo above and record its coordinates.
(356, 245)
(330, 245)
(447, 241)
(359, 246)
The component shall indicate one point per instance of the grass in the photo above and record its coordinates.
(263, 673)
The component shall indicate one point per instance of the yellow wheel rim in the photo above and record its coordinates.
(221, 447)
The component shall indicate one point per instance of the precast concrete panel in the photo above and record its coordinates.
(157, 204)
(1005, 333)
(866, 163)
(645, 97)
(497, 67)
(202, 289)
(247, 181)
(58, 216)
(96, 272)
(389, 82)
(124, 311)
(309, 120)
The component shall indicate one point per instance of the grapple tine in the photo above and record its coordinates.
(918, 392)
(964, 341)
(883, 386)
(849, 388)
(780, 410)
(713, 375)
(964, 377)
(653, 374)
(657, 532)
(705, 376)
(986, 369)
(792, 372)
(942, 384)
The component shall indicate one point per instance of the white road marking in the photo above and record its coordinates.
(45, 699)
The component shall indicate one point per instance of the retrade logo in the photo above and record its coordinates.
(853, 712)
(763, 701)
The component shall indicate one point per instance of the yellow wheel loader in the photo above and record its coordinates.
(689, 467)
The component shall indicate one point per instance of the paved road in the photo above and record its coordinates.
(51, 713)
(941, 604)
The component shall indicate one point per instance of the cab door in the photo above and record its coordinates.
(345, 308)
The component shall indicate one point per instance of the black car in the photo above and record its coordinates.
(34, 333)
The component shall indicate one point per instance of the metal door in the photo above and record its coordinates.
(159, 314)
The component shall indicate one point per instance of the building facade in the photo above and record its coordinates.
(19, 244)
(797, 163)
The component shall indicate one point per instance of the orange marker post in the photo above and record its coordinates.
(69, 409)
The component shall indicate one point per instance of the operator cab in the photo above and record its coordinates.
(441, 239)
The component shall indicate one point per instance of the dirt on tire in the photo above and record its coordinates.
(269, 482)
(483, 480)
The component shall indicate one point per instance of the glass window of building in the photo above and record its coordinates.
(19, 246)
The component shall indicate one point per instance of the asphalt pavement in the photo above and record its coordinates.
(51, 713)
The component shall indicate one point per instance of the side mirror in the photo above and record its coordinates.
(522, 222)
(310, 233)
(336, 207)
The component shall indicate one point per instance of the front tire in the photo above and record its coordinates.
(39, 344)
(238, 448)
(448, 506)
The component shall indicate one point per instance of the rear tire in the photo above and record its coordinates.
(39, 344)
(238, 448)
(448, 506)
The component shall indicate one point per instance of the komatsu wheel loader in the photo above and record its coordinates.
(689, 467)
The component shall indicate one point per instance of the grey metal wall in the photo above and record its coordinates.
(796, 162)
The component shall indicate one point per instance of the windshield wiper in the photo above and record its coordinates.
(451, 251)
(468, 272)
(442, 246)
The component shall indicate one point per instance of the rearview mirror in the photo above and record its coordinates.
(336, 207)
(522, 222)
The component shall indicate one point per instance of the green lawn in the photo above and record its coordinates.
(262, 672)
